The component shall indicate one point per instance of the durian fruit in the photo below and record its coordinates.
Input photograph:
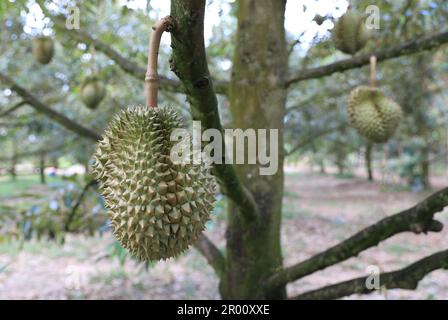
(92, 92)
(43, 49)
(157, 208)
(374, 115)
(350, 33)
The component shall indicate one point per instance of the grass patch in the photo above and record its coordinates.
(399, 249)
(291, 211)
(346, 175)
(108, 278)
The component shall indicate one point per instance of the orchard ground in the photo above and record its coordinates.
(319, 211)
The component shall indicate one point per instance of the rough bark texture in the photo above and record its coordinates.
(406, 278)
(257, 100)
(190, 64)
(418, 219)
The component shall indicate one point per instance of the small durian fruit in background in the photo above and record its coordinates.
(157, 208)
(350, 33)
(93, 91)
(372, 114)
(43, 49)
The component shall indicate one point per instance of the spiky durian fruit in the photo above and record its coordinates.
(350, 33)
(92, 92)
(374, 115)
(157, 208)
(43, 49)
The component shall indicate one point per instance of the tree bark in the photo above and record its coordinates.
(257, 100)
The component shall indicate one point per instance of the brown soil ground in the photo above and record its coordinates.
(319, 211)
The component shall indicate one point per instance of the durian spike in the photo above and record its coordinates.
(151, 77)
(373, 71)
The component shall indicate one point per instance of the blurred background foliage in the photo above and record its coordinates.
(316, 129)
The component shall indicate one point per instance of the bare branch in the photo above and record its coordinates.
(189, 62)
(213, 255)
(408, 48)
(406, 278)
(13, 108)
(313, 136)
(126, 64)
(46, 110)
(417, 219)
(72, 214)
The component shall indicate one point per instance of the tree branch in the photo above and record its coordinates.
(189, 62)
(312, 137)
(72, 214)
(212, 254)
(406, 278)
(408, 48)
(416, 219)
(46, 110)
(13, 108)
(126, 64)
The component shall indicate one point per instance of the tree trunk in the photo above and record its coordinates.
(12, 169)
(368, 161)
(42, 168)
(257, 100)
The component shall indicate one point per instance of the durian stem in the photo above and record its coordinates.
(373, 71)
(151, 77)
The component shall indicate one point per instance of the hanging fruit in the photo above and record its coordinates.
(350, 33)
(93, 91)
(157, 208)
(43, 49)
(374, 115)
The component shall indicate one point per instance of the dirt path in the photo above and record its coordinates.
(319, 211)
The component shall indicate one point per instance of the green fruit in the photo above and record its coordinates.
(374, 115)
(92, 92)
(157, 208)
(350, 33)
(43, 49)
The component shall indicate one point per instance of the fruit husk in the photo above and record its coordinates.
(372, 114)
(157, 208)
(350, 33)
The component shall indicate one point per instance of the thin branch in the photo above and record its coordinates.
(124, 63)
(46, 110)
(417, 219)
(13, 108)
(408, 48)
(189, 62)
(72, 214)
(406, 278)
(312, 137)
(212, 254)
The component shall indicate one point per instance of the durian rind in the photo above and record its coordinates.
(374, 115)
(157, 208)
(92, 92)
(350, 33)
